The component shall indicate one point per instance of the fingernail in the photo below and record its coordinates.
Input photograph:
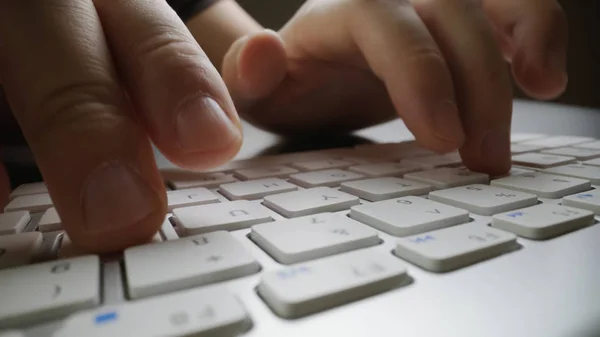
(447, 125)
(495, 145)
(115, 196)
(202, 125)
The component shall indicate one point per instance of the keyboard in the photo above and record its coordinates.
(378, 239)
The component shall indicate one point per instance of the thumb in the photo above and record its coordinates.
(254, 66)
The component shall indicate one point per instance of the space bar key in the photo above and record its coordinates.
(196, 312)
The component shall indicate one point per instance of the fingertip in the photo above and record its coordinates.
(490, 155)
(262, 64)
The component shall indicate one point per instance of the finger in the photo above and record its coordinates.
(539, 39)
(96, 160)
(399, 49)
(178, 93)
(4, 186)
(481, 80)
(254, 66)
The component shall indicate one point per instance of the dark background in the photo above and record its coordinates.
(584, 48)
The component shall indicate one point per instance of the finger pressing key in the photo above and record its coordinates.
(63, 88)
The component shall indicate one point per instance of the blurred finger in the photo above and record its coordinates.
(178, 93)
(97, 162)
(539, 38)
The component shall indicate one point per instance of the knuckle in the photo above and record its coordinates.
(75, 109)
(168, 44)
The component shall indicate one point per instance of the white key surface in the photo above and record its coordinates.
(484, 199)
(589, 145)
(186, 263)
(329, 178)
(543, 185)
(589, 200)
(48, 290)
(587, 172)
(378, 189)
(455, 247)
(197, 312)
(516, 148)
(50, 221)
(559, 141)
(168, 231)
(386, 169)
(227, 216)
(577, 152)
(32, 203)
(541, 160)
(206, 180)
(408, 215)
(19, 249)
(28, 189)
(13, 222)
(321, 164)
(265, 172)
(522, 137)
(592, 162)
(448, 177)
(543, 221)
(307, 238)
(437, 160)
(256, 189)
(190, 197)
(318, 285)
(310, 201)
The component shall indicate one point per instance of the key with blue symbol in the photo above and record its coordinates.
(543, 221)
(589, 200)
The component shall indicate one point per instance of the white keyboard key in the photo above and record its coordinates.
(589, 200)
(206, 180)
(559, 141)
(378, 189)
(197, 312)
(28, 189)
(167, 231)
(49, 247)
(265, 172)
(516, 148)
(50, 221)
(329, 178)
(577, 152)
(318, 285)
(33, 203)
(590, 173)
(448, 177)
(437, 160)
(455, 247)
(590, 145)
(312, 237)
(48, 290)
(484, 199)
(256, 189)
(541, 160)
(592, 162)
(408, 215)
(19, 249)
(543, 221)
(543, 185)
(191, 197)
(321, 164)
(310, 201)
(68, 249)
(186, 263)
(13, 222)
(522, 137)
(227, 216)
(386, 169)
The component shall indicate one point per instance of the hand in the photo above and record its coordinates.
(90, 83)
(438, 64)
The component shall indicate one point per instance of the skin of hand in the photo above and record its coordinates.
(441, 65)
(91, 84)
